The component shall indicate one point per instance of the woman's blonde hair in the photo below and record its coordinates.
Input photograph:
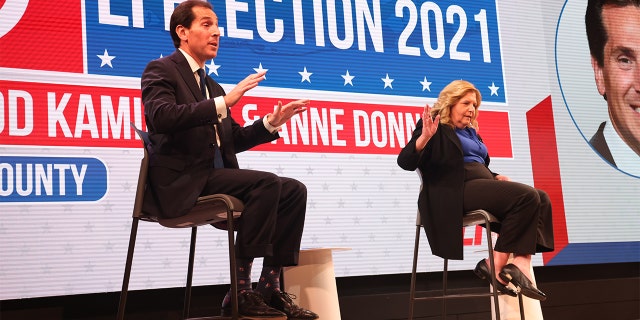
(449, 96)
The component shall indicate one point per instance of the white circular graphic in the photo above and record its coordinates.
(10, 13)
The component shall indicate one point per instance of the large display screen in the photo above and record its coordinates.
(69, 161)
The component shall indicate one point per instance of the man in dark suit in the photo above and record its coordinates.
(194, 142)
(613, 33)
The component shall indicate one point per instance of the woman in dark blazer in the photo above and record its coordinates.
(454, 167)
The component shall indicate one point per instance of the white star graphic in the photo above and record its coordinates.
(106, 59)
(348, 78)
(260, 69)
(306, 76)
(387, 82)
(213, 68)
(494, 89)
(426, 84)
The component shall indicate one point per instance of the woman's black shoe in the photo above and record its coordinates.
(511, 273)
(483, 272)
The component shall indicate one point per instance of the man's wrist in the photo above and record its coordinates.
(221, 107)
(271, 128)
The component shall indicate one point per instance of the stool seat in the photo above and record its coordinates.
(210, 209)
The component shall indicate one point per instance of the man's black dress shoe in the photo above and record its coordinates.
(483, 272)
(511, 273)
(251, 305)
(282, 301)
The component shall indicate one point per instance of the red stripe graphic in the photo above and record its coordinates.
(366, 128)
(86, 116)
(546, 168)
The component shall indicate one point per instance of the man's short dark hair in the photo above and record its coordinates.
(596, 33)
(183, 16)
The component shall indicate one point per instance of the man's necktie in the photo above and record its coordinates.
(203, 86)
(217, 155)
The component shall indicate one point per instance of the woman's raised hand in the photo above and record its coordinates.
(429, 124)
(429, 128)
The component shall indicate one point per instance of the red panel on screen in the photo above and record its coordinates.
(496, 133)
(45, 36)
(546, 168)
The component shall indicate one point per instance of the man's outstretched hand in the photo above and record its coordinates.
(248, 83)
(282, 114)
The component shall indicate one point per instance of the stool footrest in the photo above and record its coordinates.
(456, 296)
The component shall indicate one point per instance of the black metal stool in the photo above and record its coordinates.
(472, 218)
(211, 209)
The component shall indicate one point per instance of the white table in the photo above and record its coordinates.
(313, 282)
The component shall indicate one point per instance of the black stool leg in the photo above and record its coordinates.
(187, 294)
(127, 269)
(444, 288)
(521, 305)
(232, 266)
(496, 302)
(412, 290)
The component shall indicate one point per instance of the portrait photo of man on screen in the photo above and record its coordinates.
(613, 33)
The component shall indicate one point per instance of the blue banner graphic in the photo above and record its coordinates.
(400, 47)
(51, 179)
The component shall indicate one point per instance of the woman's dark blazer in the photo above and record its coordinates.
(440, 203)
(180, 124)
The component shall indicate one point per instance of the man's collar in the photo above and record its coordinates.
(192, 62)
(626, 160)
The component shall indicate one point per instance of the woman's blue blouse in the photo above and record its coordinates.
(472, 148)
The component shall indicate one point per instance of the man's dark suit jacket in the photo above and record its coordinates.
(440, 202)
(600, 144)
(180, 122)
